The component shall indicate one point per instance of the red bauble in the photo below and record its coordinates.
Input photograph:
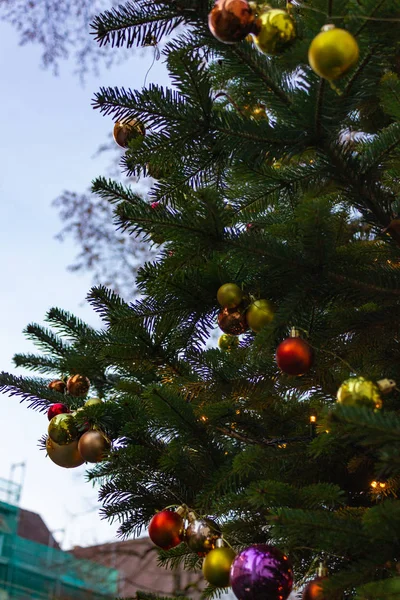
(313, 591)
(166, 529)
(57, 409)
(230, 21)
(154, 205)
(294, 356)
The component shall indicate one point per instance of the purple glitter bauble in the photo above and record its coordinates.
(261, 572)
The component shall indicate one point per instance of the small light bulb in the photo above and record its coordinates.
(313, 419)
(374, 484)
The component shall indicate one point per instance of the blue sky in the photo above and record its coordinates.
(49, 135)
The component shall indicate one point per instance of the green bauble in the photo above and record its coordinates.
(358, 391)
(274, 30)
(228, 342)
(260, 313)
(62, 429)
(217, 566)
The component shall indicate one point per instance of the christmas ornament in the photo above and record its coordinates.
(57, 385)
(261, 572)
(232, 321)
(62, 429)
(93, 446)
(217, 564)
(124, 132)
(229, 295)
(358, 391)
(294, 355)
(230, 21)
(66, 456)
(78, 385)
(274, 29)
(259, 314)
(228, 342)
(166, 529)
(154, 205)
(332, 52)
(313, 590)
(201, 534)
(93, 401)
(57, 409)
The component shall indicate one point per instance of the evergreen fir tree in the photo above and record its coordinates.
(287, 185)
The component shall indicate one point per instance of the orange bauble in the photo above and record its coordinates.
(230, 21)
(314, 591)
(294, 356)
(78, 385)
(166, 529)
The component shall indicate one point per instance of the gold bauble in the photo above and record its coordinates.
(217, 566)
(333, 52)
(260, 313)
(67, 455)
(124, 132)
(201, 534)
(274, 30)
(93, 401)
(358, 391)
(62, 429)
(228, 342)
(78, 385)
(229, 295)
(93, 446)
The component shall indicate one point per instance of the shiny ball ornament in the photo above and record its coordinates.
(274, 30)
(232, 321)
(78, 385)
(166, 529)
(333, 52)
(66, 456)
(313, 590)
(229, 295)
(62, 429)
(228, 342)
(201, 535)
(93, 401)
(217, 565)
(230, 21)
(358, 391)
(57, 409)
(259, 314)
(57, 386)
(261, 572)
(124, 132)
(294, 356)
(93, 446)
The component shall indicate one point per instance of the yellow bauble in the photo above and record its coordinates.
(274, 30)
(259, 314)
(358, 391)
(228, 342)
(66, 456)
(333, 52)
(217, 566)
(229, 295)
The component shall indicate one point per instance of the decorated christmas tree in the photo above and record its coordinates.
(275, 209)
